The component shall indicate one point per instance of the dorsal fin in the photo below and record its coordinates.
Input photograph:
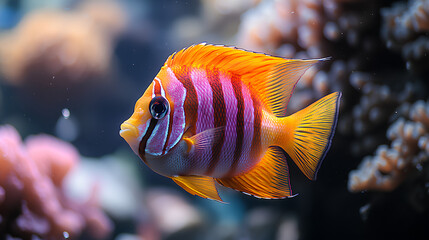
(272, 78)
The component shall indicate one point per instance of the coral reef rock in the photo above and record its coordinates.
(370, 116)
(32, 201)
(405, 29)
(409, 148)
(61, 48)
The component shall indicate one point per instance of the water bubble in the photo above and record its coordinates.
(66, 113)
(66, 235)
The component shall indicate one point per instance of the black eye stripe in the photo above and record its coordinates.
(143, 142)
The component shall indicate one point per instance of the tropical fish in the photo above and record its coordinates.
(218, 114)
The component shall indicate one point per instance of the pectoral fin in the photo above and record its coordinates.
(199, 185)
(204, 140)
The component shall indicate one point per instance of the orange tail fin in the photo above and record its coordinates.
(308, 133)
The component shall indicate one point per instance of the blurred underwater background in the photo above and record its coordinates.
(72, 70)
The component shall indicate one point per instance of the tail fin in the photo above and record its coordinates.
(308, 133)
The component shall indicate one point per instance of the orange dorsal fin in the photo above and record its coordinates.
(272, 78)
(198, 185)
(269, 179)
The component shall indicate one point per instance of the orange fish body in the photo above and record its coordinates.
(217, 114)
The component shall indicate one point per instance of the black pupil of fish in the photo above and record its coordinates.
(158, 107)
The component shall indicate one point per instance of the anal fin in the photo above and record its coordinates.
(198, 185)
(269, 179)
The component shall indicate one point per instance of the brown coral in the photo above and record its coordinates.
(368, 119)
(408, 148)
(32, 201)
(59, 48)
(405, 28)
(291, 26)
(108, 15)
(54, 46)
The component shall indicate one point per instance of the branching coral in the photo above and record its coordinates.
(409, 148)
(32, 202)
(405, 28)
(286, 27)
(368, 119)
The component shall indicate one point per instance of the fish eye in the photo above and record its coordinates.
(158, 107)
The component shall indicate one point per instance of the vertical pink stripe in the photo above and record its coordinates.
(205, 100)
(228, 148)
(205, 119)
(245, 163)
(177, 93)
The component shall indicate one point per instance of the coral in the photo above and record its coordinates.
(62, 46)
(409, 148)
(286, 27)
(54, 48)
(405, 28)
(369, 117)
(32, 201)
(108, 15)
(57, 58)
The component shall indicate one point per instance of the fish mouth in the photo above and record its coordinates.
(130, 133)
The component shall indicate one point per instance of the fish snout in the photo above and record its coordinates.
(130, 133)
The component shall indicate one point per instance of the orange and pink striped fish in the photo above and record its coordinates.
(217, 115)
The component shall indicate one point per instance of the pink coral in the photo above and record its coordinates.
(46, 151)
(30, 178)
